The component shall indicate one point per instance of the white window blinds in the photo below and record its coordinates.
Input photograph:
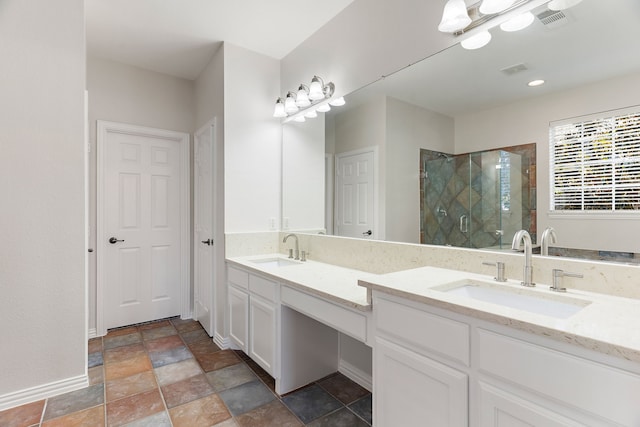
(595, 163)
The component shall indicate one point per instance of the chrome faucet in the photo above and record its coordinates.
(297, 247)
(549, 234)
(519, 237)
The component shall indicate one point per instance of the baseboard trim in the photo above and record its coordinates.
(92, 333)
(221, 342)
(355, 374)
(44, 391)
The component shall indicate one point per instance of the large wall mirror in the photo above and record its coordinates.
(461, 101)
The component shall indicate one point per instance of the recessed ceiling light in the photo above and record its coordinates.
(533, 83)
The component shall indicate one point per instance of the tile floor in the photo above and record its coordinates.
(170, 373)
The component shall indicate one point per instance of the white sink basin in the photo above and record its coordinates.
(274, 262)
(558, 306)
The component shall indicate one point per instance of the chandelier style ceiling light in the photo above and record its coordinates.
(307, 101)
(472, 24)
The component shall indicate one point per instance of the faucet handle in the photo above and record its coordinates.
(500, 276)
(557, 275)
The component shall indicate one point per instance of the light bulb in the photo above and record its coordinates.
(279, 110)
(518, 22)
(454, 17)
(316, 90)
(489, 7)
(338, 102)
(290, 106)
(323, 108)
(476, 42)
(302, 98)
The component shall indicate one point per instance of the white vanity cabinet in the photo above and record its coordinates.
(436, 367)
(253, 316)
(411, 387)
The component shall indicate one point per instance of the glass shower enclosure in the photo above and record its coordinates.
(477, 200)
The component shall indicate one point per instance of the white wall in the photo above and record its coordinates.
(409, 128)
(528, 121)
(253, 140)
(209, 98)
(122, 93)
(42, 284)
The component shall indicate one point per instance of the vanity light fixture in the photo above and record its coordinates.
(307, 101)
(455, 17)
(510, 15)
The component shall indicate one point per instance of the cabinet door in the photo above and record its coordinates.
(499, 408)
(262, 333)
(239, 317)
(413, 390)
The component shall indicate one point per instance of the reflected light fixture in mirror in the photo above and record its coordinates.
(562, 4)
(489, 7)
(517, 23)
(476, 41)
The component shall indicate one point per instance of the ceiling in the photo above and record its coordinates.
(179, 37)
(597, 41)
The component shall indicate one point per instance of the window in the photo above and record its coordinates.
(595, 162)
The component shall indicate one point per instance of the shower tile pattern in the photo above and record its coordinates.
(170, 373)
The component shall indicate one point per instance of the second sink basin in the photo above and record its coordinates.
(274, 262)
(558, 306)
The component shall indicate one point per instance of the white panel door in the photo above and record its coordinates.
(141, 228)
(355, 214)
(204, 249)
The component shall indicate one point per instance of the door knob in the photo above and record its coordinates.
(367, 233)
(113, 240)
(208, 242)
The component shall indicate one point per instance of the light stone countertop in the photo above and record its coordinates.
(608, 324)
(337, 284)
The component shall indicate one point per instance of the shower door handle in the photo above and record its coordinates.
(464, 224)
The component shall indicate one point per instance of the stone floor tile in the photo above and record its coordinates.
(228, 423)
(273, 414)
(341, 418)
(154, 325)
(95, 344)
(121, 331)
(343, 389)
(126, 368)
(310, 403)
(133, 408)
(92, 417)
(218, 360)
(172, 355)
(205, 412)
(22, 416)
(96, 375)
(159, 419)
(175, 372)
(121, 340)
(188, 326)
(231, 376)
(128, 386)
(184, 391)
(95, 359)
(246, 397)
(363, 408)
(206, 346)
(164, 343)
(78, 400)
(120, 354)
(193, 336)
(155, 333)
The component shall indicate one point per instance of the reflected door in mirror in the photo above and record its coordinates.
(355, 175)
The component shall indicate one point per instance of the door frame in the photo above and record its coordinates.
(214, 220)
(378, 234)
(103, 129)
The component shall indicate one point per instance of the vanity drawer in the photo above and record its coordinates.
(594, 387)
(436, 334)
(238, 277)
(344, 320)
(263, 287)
